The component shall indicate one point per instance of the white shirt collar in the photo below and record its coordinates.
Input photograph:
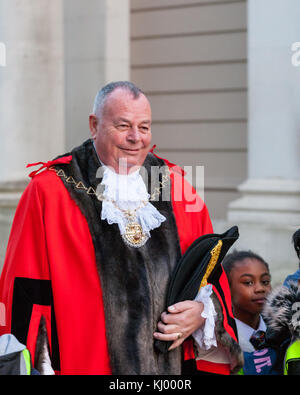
(245, 332)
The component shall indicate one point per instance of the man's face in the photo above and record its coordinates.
(123, 131)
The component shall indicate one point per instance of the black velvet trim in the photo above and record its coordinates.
(26, 293)
(214, 279)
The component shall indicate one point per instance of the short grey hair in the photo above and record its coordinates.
(109, 88)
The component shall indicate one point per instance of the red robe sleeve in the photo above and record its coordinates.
(191, 214)
(48, 273)
(26, 258)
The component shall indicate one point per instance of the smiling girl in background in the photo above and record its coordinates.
(250, 282)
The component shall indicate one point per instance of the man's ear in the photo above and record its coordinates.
(93, 122)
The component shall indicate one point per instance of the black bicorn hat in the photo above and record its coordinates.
(199, 265)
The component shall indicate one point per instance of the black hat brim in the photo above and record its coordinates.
(193, 266)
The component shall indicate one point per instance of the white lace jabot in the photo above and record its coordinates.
(128, 192)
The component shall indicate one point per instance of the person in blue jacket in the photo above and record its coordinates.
(295, 276)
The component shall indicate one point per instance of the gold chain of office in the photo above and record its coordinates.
(134, 235)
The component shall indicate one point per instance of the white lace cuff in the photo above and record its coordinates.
(205, 336)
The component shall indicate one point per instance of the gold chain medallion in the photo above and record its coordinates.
(134, 235)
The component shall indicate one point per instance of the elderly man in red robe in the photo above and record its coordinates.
(92, 247)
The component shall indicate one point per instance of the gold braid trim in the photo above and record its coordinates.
(215, 253)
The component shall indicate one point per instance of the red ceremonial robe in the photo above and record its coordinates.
(50, 243)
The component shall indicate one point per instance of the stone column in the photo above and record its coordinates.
(269, 210)
(96, 53)
(31, 96)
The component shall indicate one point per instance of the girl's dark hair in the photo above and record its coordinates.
(236, 256)
(296, 242)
